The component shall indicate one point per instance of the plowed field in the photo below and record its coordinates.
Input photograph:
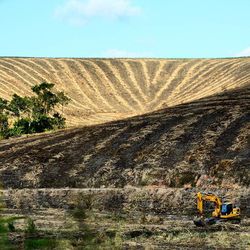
(109, 89)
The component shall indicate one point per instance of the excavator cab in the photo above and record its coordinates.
(226, 208)
(231, 212)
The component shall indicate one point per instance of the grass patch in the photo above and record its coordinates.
(44, 243)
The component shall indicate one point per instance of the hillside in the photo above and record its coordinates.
(104, 90)
(205, 142)
(158, 132)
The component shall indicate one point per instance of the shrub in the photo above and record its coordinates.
(31, 227)
(58, 121)
(11, 226)
(4, 126)
(21, 126)
(41, 124)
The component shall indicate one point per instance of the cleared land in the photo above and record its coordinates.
(109, 89)
(161, 130)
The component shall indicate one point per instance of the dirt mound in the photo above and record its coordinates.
(201, 143)
(104, 90)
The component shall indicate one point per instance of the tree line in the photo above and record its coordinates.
(32, 114)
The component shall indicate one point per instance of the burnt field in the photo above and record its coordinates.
(198, 143)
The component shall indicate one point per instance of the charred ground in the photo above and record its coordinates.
(201, 143)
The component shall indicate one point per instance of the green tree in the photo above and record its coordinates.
(4, 123)
(45, 100)
(43, 107)
(63, 99)
(33, 114)
(18, 105)
(3, 105)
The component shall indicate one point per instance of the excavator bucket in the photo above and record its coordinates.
(201, 222)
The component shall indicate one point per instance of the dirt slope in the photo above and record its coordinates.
(205, 142)
(110, 89)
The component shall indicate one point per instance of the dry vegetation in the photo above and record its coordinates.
(109, 89)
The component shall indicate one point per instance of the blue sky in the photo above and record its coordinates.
(125, 28)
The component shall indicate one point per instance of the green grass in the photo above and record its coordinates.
(4, 241)
(45, 243)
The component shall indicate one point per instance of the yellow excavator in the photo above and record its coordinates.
(222, 211)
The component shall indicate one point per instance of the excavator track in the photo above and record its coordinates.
(201, 222)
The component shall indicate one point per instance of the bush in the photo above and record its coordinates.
(21, 126)
(58, 121)
(41, 124)
(11, 226)
(4, 126)
(31, 227)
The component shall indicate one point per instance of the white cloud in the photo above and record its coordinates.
(245, 52)
(80, 11)
(115, 53)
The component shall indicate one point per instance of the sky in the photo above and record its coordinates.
(125, 28)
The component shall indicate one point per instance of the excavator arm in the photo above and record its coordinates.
(211, 198)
